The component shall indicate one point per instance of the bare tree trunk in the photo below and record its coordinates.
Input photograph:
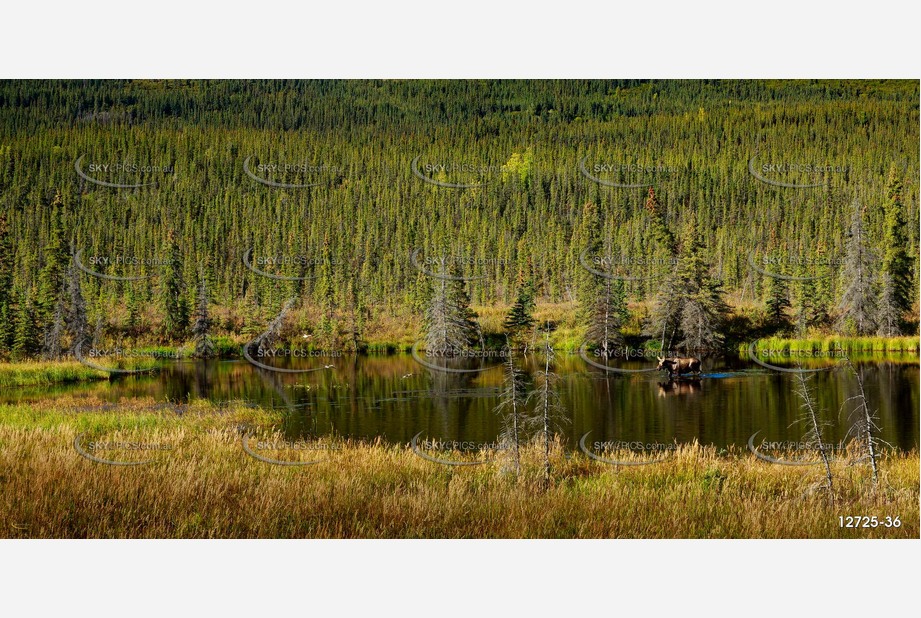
(869, 425)
(546, 410)
(816, 431)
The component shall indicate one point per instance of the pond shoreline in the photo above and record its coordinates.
(898, 349)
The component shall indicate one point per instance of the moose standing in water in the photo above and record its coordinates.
(677, 365)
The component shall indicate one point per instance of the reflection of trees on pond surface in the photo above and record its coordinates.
(394, 397)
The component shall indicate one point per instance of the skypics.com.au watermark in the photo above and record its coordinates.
(456, 354)
(121, 360)
(793, 174)
(623, 353)
(626, 267)
(790, 452)
(774, 266)
(269, 265)
(761, 356)
(290, 175)
(449, 452)
(442, 266)
(261, 352)
(447, 351)
(119, 451)
(255, 353)
(611, 446)
(626, 175)
(122, 174)
(604, 451)
(279, 451)
(94, 264)
(451, 174)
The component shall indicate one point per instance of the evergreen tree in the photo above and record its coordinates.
(325, 297)
(357, 310)
(25, 339)
(7, 329)
(665, 312)
(252, 313)
(201, 327)
(54, 331)
(465, 316)
(55, 260)
(609, 311)
(132, 305)
(659, 223)
(172, 300)
(689, 307)
(591, 241)
(6, 261)
(703, 309)
(809, 311)
(888, 316)
(777, 304)
(520, 317)
(895, 293)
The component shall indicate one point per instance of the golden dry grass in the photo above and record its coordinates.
(207, 486)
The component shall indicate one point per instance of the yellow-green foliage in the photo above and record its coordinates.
(834, 343)
(46, 372)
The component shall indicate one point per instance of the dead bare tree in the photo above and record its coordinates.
(511, 407)
(268, 338)
(548, 405)
(813, 437)
(864, 428)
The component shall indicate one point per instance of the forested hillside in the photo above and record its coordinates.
(352, 193)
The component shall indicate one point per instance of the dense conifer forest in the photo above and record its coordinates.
(679, 211)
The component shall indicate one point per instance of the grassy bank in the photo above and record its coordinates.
(835, 343)
(207, 486)
(40, 373)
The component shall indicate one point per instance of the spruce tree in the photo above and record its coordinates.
(25, 338)
(609, 312)
(7, 329)
(895, 293)
(659, 223)
(520, 317)
(777, 304)
(808, 312)
(665, 312)
(54, 264)
(590, 243)
(6, 261)
(54, 331)
(201, 327)
(172, 292)
(325, 296)
(702, 308)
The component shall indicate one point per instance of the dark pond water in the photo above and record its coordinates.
(395, 398)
